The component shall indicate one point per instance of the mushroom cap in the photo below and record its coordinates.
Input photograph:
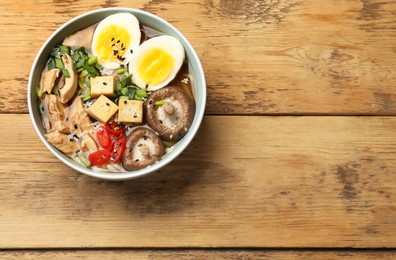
(172, 119)
(143, 148)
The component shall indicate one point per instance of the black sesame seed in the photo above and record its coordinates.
(77, 151)
(118, 41)
(122, 59)
(136, 160)
(150, 102)
(131, 51)
(125, 102)
(104, 83)
(122, 45)
(115, 52)
(145, 137)
(112, 39)
(67, 118)
(134, 116)
(107, 104)
(123, 49)
(146, 85)
(113, 44)
(160, 121)
(122, 65)
(76, 127)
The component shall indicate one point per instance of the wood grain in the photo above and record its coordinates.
(243, 182)
(198, 254)
(260, 57)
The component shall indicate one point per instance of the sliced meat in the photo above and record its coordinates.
(62, 142)
(54, 112)
(88, 143)
(68, 90)
(82, 38)
(48, 80)
(78, 118)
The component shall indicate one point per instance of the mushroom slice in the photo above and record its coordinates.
(143, 148)
(173, 114)
(48, 80)
(62, 142)
(68, 90)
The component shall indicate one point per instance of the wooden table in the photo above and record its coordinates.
(295, 158)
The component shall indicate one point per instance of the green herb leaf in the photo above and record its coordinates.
(64, 48)
(66, 73)
(84, 161)
(59, 63)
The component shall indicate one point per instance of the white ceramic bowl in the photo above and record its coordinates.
(85, 20)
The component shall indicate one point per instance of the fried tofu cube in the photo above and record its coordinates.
(130, 111)
(103, 85)
(102, 109)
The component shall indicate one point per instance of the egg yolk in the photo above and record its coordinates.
(155, 66)
(112, 43)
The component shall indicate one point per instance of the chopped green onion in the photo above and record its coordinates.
(91, 70)
(39, 92)
(87, 82)
(51, 64)
(124, 91)
(159, 102)
(124, 97)
(58, 63)
(84, 161)
(92, 60)
(87, 94)
(98, 66)
(118, 88)
(126, 81)
(66, 73)
(141, 93)
(56, 90)
(121, 71)
(84, 73)
(64, 49)
(81, 84)
(80, 64)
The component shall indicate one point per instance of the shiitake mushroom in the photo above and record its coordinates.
(170, 112)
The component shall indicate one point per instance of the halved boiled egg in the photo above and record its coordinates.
(115, 39)
(156, 62)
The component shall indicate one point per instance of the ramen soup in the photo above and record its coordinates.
(116, 96)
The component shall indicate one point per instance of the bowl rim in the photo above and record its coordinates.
(181, 145)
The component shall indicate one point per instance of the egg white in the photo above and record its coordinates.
(168, 44)
(130, 24)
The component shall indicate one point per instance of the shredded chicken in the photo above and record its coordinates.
(48, 80)
(62, 142)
